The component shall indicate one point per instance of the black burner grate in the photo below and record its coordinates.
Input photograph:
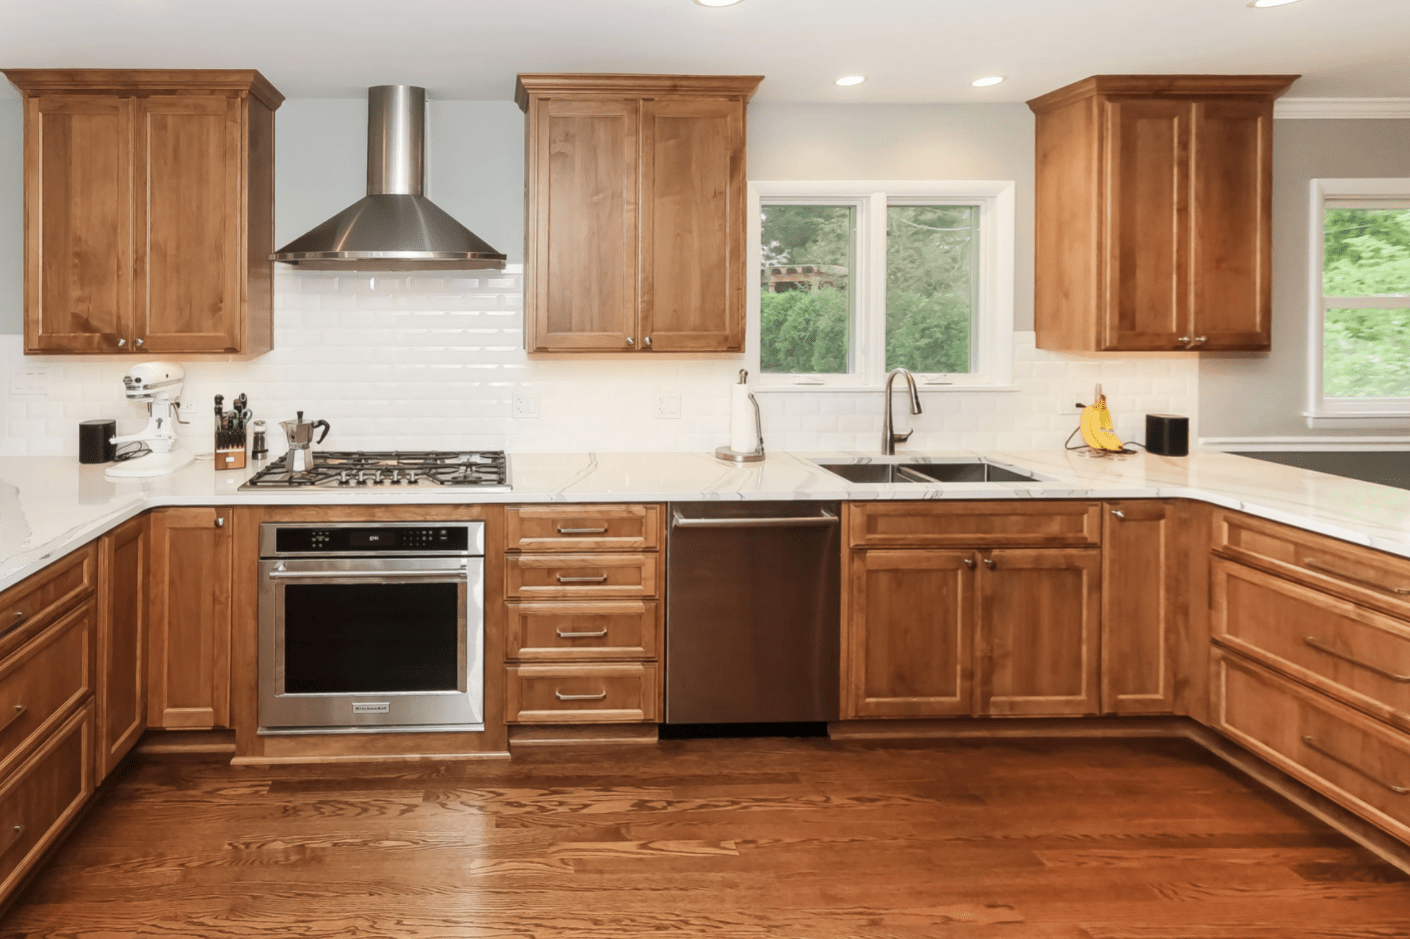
(479, 469)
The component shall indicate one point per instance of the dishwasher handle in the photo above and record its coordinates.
(805, 521)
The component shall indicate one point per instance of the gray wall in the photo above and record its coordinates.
(905, 141)
(1258, 394)
(11, 210)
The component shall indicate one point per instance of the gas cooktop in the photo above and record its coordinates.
(486, 470)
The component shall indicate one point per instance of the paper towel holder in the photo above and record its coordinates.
(757, 454)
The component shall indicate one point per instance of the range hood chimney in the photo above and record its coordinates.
(395, 228)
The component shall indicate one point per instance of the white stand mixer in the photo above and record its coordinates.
(159, 385)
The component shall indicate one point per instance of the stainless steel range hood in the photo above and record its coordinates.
(395, 227)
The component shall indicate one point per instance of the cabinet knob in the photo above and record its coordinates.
(20, 615)
(140, 342)
(121, 342)
(990, 563)
(969, 563)
(647, 340)
(220, 521)
(1199, 339)
(1118, 513)
(631, 341)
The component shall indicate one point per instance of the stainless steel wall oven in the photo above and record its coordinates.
(371, 626)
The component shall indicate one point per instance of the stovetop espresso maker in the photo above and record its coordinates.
(300, 434)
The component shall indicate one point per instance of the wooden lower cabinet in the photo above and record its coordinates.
(44, 681)
(1038, 618)
(189, 673)
(953, 632)
(124, 572)
(39, 800)
(597, 693)
(908, 646)
(1143, 605)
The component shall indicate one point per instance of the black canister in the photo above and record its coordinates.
(95, 441)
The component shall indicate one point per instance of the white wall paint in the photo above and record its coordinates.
(1263, 394)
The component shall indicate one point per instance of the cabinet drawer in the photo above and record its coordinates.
(36, 599)
(1355, 654)
(43, 795)
(1371, 578)
(560, 694)
(580, 575)
(999, 523)
(577, 630)
(42, 680)
(1348, 756)
(582, 528)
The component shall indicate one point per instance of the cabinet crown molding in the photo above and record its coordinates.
(1202, 86)
(638, 86)
(145, 81)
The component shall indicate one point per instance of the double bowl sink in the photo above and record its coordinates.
(958, 471)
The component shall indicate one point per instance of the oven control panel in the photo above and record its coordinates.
(278, 540)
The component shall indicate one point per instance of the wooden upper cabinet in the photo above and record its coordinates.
(1154, 212)
(635, 212)
(149, 210)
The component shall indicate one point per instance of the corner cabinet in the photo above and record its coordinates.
(1154, 212)
(149, 210)
(635, 228)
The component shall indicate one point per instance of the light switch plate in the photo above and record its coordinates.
(667, 406)
(29, 381)
(526, 406)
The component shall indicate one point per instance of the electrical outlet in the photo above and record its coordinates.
(1072, 403)
(29, 381)
(668, 406)
(526, 405)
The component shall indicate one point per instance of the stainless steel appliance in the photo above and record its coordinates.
(376, 626)
(487, 470)
(752, 618)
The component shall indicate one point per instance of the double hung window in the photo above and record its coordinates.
(853, 279)
(1359, 316)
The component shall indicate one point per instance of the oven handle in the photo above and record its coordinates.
(277, 574)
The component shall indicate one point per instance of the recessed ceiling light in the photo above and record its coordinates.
(851, 80)
(986, 82)
(718, 3)
(1270, 3)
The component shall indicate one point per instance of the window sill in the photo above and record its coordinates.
(781, 387)
(1358, 420)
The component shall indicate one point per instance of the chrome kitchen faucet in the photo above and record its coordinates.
(889, 437)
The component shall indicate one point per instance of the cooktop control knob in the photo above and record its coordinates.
(343, 478)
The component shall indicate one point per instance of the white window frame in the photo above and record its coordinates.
(993, 318)
(1346, 413)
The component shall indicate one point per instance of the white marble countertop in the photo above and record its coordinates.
(52, 505)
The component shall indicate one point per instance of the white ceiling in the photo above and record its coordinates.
(911, 50)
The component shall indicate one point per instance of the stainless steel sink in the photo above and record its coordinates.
(959, 471)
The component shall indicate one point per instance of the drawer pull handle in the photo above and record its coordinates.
(1320, 646)
(17, 834)
(1312, 744)
(598, 579)
(15, 623)
(581, 531)
(597, 635)
(1316, 565)
(579, 697)
(19, 712)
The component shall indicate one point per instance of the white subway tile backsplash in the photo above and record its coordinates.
(433, 361)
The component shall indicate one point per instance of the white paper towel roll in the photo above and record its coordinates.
(742, 437)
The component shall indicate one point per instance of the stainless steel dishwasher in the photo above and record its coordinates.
(752, 598)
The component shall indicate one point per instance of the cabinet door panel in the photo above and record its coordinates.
(78, 222)
(908, 645)
(692, 274)
(1038, 621)
(1147, 286)
(122, 642)
(189, 681)
(188, 204)
(1231, 159)
(1138, 608)
(583, 203)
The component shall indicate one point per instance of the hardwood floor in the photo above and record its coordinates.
(1069, 839)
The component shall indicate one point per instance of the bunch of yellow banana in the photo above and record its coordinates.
(1096, 427)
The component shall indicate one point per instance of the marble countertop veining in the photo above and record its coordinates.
(52, 505)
